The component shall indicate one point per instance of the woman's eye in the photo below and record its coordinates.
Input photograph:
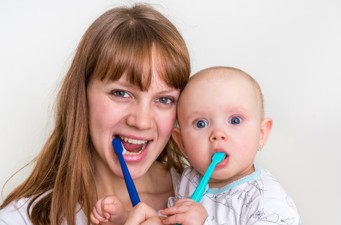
(165, 100)
(120, 93)
(201, 123)
(235, 120)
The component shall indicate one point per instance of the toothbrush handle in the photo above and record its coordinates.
(134, 197)
(198, 193)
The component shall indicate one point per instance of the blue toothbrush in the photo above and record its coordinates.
(199, 191)
(134, 196)
(216, 158)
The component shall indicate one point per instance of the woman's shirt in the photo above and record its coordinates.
(16, 212)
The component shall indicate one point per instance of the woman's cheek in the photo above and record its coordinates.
(166, 123)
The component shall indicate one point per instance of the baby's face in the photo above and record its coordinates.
(221, 112)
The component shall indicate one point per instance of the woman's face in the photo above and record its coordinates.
(143, 120)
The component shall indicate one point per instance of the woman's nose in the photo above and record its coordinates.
(218, 135)
(140, 117)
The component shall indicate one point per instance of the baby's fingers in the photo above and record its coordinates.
(96, 217)
(178, 208)
(99, 214)
(93, 219)
(112, 206)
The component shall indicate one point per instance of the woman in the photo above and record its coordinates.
(124, 81)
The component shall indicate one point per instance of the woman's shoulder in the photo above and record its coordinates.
(15, 213)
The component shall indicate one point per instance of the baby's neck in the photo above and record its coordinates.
(222, 183)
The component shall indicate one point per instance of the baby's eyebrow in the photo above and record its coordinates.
(193, 115)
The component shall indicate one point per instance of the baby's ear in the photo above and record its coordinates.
(265, 129)
(176, 135)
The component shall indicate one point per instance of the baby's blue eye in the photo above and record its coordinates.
(235, 120)
(201, 123)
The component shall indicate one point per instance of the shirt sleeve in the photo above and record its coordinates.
(12, 216)
(274, 211)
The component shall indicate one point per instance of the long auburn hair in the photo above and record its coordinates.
(119, 42)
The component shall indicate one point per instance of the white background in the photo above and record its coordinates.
(293, 48)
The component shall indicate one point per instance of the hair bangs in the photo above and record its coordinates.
(134, 49)
(172, 69)
(126, 53)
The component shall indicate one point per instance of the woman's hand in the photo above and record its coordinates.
(142, 214)
(185, 212)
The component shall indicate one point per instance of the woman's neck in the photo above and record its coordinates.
(159, 188)
(154, 187)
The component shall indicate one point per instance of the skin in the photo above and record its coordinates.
(219, 110)
(108, 209)
(118, 108)
(142, 214)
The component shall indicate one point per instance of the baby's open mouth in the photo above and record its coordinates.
(132, 146)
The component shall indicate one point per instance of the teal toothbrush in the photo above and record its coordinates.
(199, 191)
(134, 197)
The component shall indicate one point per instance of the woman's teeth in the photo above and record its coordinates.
(125, 152)
(131, 141)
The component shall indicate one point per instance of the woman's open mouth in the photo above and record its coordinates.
(132, 146)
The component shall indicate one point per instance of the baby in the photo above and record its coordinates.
(221, 110)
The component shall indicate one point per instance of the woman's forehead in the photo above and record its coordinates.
(154, 80)
(140, 71)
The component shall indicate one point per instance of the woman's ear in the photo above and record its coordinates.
(265, 129)
(176, 135)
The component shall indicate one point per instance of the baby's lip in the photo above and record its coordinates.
(224, 161)
(222, 150)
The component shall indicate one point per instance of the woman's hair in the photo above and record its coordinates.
(119, 42)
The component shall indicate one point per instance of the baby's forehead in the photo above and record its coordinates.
(219, 77)
(213, 83)
(222, 79)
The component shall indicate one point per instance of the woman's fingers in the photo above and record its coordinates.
(143, 214)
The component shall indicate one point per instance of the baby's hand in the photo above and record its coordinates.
(108, 210)
(185, 212)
